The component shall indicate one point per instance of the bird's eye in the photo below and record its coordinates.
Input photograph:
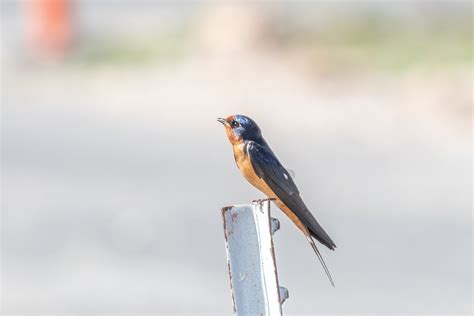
(235, 124)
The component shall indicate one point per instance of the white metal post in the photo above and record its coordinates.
(253, 275)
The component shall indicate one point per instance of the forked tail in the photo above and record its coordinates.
(320, 257)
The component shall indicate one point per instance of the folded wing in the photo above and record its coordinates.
(270, 170)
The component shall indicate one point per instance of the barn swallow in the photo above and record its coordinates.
(263, 170)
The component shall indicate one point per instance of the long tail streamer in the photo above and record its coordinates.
(320, 257)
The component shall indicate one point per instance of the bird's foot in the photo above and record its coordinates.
(260, 201)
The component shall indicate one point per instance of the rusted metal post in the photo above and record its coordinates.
(248, 231)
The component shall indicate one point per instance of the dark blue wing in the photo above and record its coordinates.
(270, 170)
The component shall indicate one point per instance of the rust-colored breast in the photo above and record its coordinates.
(245, 165)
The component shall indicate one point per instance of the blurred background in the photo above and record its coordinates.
(115, 169)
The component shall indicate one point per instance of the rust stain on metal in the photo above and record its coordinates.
(225, 208)
(226, 233)
(272, 250)
(234, 216)
(231, 288)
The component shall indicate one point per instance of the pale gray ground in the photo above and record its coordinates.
(114, 176)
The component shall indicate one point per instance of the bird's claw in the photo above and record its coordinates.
(260, 201)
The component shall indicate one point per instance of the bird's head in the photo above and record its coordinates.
(240, 128)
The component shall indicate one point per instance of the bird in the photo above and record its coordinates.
(260, 166)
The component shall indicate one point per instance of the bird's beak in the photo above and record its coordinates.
(223, 121)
